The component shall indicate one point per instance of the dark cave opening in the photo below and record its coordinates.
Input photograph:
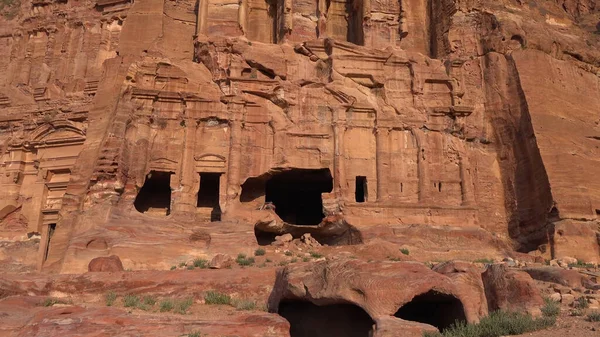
(340, 320)
(208, 194)
(155, 195)
(296, 194)
(433, 308)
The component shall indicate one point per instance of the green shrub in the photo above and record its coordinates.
(550, 308)
(166, 305)
(294, 260)
(242, 260)
(182, 306)
(149, 300)
(243, 304)
(173, 267)
(581, 303)
(213, 297)
(576, 312)
(593, 316)
(131, 301)
(190, 267)
(110, 298)
(405, 251)
(288, 253)
(484, 261)
(316, 255)
(283, 263)
(305, 259)
(182, 264)
(51, 301)
(498, 323)
(201, 263)
(194, 334)
(268, 260)
(259, 252)
(581, 264)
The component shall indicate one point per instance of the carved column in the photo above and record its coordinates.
(184, 194)
(339, 176)
(422, 167)
(236, 112)
(382, 162)
(466, 183)
(201, 18)
(242, 15)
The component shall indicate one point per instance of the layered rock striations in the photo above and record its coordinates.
(462, 127)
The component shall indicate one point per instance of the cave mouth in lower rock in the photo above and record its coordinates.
(155, 195)
(433, 308)
(340, 320)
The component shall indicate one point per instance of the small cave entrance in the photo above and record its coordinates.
(310, 320)
(208, 194)
(51, 230)
(155, 196)
(433, 308)
(296, 194)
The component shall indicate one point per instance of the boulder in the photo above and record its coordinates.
(565, 277)
(511, 290)
(221, 261)
(105, 264)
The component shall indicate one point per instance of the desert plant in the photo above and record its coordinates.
(288, 253)
(305, 259)
(213, 297)
(201, 263)
(498, 323)
(593, 316)
(316, 255)
(110, 298)
(244, 304)
(259, 252)
(131, 301)
(283, 263)
(581, 264)
(182, 264)
(294, 260)
(166, 305)
(190, 267)
(581, 303)
(576, 312)
(194, 334)
(182, 306)
(173, 267)
(550, 308)
(484, 261)
(243, 260)
(405, 251)
(51, 301)
(149, 300)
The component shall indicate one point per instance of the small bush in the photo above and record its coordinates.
(550, 308)
(166, 305)
(51, 301)
(593, 316)
(244, 304)
(190, 267)
(194, 334)
(405, 251)
(110, 298)
(201, 263)
(173, 267)
(484, 261)
(395, 259)
(316, 255)
(305, 259)
(131, 301)
(576, 312)
(242, 260)
(149, 300)
(182, 264)
(288, 253)
(294, 260)
(268, 260)
(581, 264)
(182, 306)
(581, 303)
(498, 323)
(213, 297)
(283, 263)
(259, 252)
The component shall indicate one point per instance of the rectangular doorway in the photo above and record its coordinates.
(208, 194)
(361, 191)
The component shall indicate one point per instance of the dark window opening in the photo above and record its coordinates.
(51, 229)
(360, 192)
(440, 186)
(208, 194)
(155, 195)
(433, 308)
(309, 320)
(401, 187)
(296, 195)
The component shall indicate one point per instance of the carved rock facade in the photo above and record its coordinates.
(448, 125)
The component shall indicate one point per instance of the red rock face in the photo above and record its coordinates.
(106, 264)
(130, 128)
